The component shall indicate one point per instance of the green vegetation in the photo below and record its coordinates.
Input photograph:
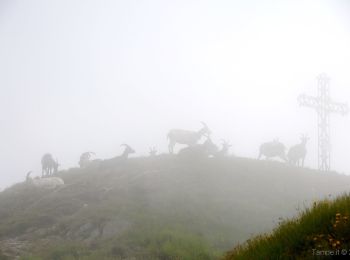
(156, 208)
(148, 244)
(323, 229)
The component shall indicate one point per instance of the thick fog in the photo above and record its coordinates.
(79, 76)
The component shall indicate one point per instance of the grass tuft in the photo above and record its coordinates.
(325, 227)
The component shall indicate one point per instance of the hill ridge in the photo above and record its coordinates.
(210, 204)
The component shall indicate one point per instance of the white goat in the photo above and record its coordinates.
(49, 165)
(186, 137)
(297, 153)
(46, 183)
(273, 149)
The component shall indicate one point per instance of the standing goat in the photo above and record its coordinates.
(273, 149)
(85, 159)
(297, 153)
(186, 137)
(49, 165)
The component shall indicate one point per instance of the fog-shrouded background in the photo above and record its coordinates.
(88, 75)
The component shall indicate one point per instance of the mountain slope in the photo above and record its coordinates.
(157, 207)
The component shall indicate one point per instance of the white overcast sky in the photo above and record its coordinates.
(88, 75)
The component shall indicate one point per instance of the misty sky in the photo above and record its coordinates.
(88, 75)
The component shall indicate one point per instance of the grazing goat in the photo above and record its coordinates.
(46, 183)
(186, 137)
(204, 150)
(49, 165)
(273, 149)
(85, 159)
(152, 151)
(297, 153)
(224, 150)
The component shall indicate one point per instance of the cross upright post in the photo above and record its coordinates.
(324, 106)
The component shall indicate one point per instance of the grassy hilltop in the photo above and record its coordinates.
(156, 208)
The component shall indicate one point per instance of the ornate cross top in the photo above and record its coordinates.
(324, 106)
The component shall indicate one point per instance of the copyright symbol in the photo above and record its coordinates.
(344, 252)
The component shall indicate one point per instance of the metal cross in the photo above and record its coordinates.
(324, 106)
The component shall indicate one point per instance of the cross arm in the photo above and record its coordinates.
(337, 107)
(308, 101)
(334, 107)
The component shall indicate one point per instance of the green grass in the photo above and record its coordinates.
(324, 227)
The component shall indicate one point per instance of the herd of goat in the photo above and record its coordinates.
(295, 156)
